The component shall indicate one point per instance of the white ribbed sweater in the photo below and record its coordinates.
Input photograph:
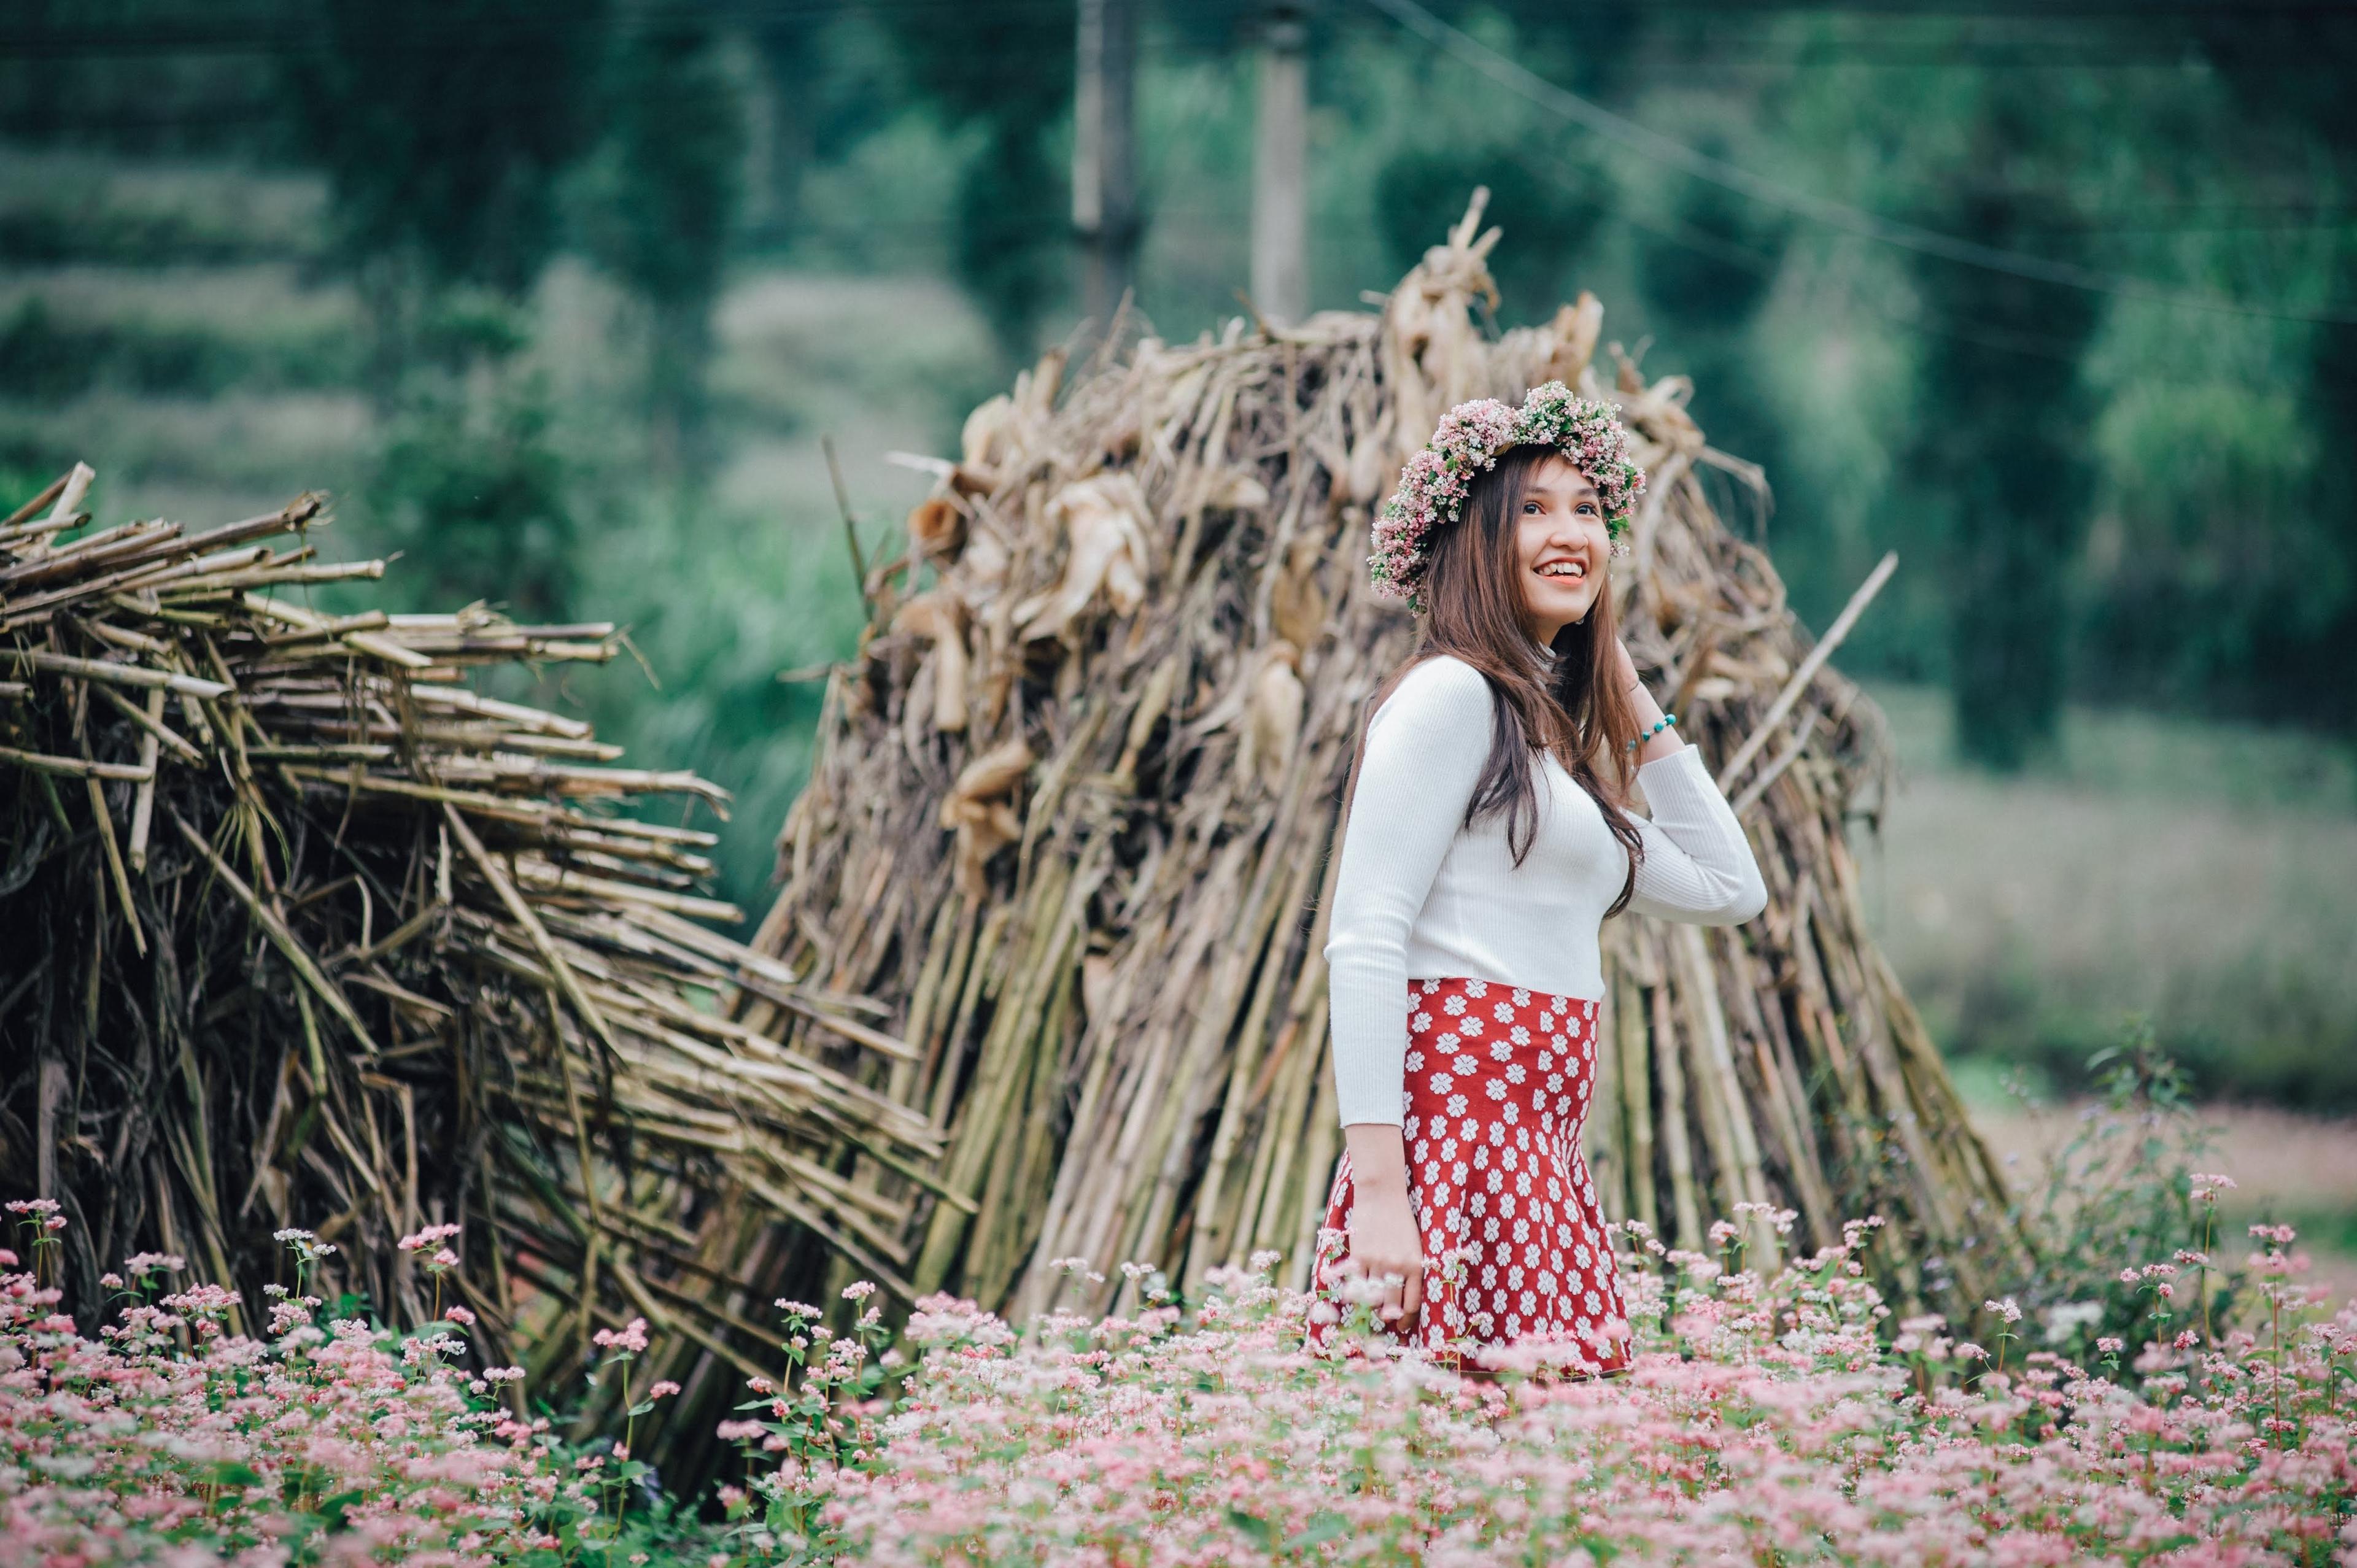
(1420, 895)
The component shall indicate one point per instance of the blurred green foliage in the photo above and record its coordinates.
(560, 297)
(477, 497)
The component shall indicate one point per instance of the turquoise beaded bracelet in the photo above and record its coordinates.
(1664, 721)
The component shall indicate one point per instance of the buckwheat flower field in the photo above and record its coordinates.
(1782, 1420)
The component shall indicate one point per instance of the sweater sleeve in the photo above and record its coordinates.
(1698, 866)
(1424, 748)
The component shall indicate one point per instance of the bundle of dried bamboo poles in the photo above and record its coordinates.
(1074, 802)
(298, 925)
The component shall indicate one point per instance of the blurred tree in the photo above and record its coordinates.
(2000, 446)
(2290, 69)
(473, 489)
(667, 183)
(1551, 216)
(781, 126)
(442, 128)
(1706, 272)
(442, 125)
(1007, 71)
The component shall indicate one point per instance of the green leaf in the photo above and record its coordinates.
(1262, 1532)
(1323, 1526)
(333, 1508)
(234, 1473)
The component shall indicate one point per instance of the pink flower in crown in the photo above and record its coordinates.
(1433, 485)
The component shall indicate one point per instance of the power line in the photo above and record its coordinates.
(1652, 144)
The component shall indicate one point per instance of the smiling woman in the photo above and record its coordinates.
(1488, 839)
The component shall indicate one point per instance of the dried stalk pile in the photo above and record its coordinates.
(1074, 802)
(302, 928)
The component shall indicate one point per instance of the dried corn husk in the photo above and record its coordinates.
(1114, 963)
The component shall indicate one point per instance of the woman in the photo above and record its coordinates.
(1487, 840)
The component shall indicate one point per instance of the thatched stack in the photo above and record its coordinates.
(1073, 803)
(301, 928)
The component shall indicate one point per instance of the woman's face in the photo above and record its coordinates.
(1562, 544)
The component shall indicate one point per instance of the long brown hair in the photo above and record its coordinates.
(1573, 708)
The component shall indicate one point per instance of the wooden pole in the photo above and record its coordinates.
(1105, 154)
(1280, 231)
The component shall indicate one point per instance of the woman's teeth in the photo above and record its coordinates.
(1562, 569)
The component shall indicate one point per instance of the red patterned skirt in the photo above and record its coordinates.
(1514, 1251)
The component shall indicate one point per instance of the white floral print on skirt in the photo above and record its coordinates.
(1496, 1095)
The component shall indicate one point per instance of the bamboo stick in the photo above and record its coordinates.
(1809, 667)
(1685, 1199)
(1637, 1098)
(1751, 1181)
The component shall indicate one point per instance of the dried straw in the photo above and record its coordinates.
(304, 928)
(1073, 803)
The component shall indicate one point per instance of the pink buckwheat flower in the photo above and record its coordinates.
(631, 1339)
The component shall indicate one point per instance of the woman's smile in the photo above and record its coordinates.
(1562, 537)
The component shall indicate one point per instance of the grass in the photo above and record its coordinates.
(2203, 875)
(2290, 1167)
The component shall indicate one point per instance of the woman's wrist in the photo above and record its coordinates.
(1378, 1157)
(1657, 735)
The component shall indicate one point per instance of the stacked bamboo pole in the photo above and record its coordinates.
(1074, 801)
(301, 928)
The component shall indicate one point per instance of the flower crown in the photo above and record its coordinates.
(1433, 485)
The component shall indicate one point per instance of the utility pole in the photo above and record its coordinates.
(1280, 221)
(1104, 152)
